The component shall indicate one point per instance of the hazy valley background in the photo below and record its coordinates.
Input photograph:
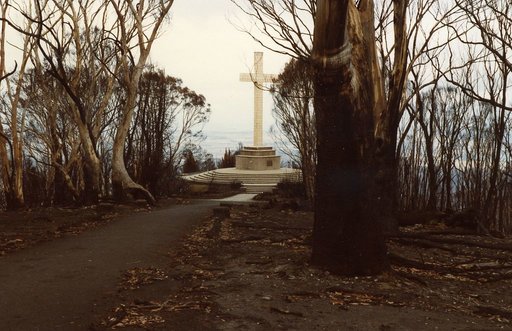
(217, 141)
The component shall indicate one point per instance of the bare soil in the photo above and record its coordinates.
(251, 271)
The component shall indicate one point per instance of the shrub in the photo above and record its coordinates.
(291, 189)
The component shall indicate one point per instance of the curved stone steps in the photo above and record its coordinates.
(230, 175)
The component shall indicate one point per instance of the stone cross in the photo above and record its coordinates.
(258, 78)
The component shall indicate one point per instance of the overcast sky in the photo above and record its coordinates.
(208, 53)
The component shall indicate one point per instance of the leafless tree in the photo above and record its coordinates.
(483, 27)
(295, 118)
(410, 34)
(12, 162)
(284, 27)
(54, 144)
(135, 30)
(69, 39)
(167, 117)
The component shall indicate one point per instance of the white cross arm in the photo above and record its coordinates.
(265, 78)
(246, 78)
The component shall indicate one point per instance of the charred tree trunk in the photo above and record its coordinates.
(346, 237)
(91, 175)
(388, 119)
(488, 212)
(92, 166)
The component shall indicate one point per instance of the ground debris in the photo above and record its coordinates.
(286, 312)
(253, 272)
(129, 316)
(136, 277)
(503, 314)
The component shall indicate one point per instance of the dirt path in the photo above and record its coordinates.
(59, 285)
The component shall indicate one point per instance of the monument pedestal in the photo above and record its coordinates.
(258, 158)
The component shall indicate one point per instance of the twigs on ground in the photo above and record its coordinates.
(504, 246)
(453, 255)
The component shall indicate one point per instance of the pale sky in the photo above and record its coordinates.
(208, 53)
(201, 46)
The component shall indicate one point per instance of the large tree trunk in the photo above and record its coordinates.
(346, 237)
(12, 187)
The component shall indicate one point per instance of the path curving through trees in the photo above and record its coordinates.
(60, 285)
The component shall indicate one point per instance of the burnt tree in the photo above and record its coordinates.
(347, 239)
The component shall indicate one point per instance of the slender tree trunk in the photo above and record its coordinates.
(489, 213)
(144, 34)
(122, 183)
(432, 175)
(387, 122)
(308, 178)
(91, 176)
(92, 166)
(346, 237)
(11, 163)
(448, 179)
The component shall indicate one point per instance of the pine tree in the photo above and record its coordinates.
(190, 164)
(228, 160)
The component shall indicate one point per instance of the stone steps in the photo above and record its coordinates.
(257, 188)
(230, 175)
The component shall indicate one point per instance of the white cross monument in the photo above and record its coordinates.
(257, 167)
(258, 157)
(258, 78)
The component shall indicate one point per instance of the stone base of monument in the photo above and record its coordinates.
(258, 158)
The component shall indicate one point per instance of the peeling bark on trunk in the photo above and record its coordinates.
(346, 238)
